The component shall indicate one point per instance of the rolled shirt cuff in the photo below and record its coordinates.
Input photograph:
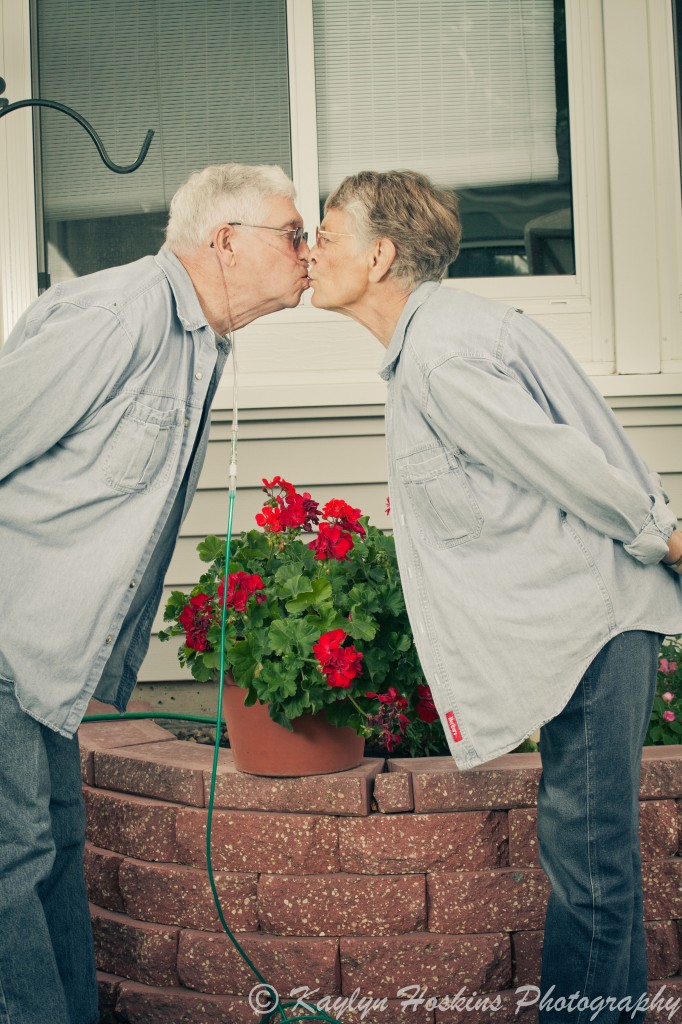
(651, 543)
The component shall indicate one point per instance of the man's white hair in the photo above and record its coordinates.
(218, 194)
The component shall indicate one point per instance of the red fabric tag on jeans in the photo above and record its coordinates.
(454, 728)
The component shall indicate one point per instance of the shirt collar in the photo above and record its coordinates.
(188, 307)
(395, 346)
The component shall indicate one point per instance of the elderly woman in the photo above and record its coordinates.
(531, 538)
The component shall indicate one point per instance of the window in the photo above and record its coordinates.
(209, 77)
(282, 81)
(472, 93)
(677, 36)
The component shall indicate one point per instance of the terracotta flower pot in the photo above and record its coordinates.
(262, 747)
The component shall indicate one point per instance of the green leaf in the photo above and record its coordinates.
(293, 634)
(394, 602)
(291, 582)
(300, 603)
(174, 605)
(330, 619)
(211, 548)
(294, 706)
(359, 627)
(242, 661)
(376, 662)
(211, 659)
(278, 715)
(322, 590)
(276, 681)
(317, 596)
(200, 672)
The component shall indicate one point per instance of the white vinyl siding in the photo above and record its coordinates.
(340, 453)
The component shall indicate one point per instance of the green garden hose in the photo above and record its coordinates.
(279, 1007)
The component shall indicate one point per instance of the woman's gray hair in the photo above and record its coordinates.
(218, 194)
(420, 218)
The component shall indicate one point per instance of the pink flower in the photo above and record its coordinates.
(668, 696)
(667, 668)
(668, 716)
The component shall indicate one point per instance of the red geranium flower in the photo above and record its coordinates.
(344, 515)
(298, 510)
(196, 618)
(426, 709)
(328, 642)
(277, 481)
(240, 586)
(270, 519)
(391, 697)
(341, 665)
(331, 542)
(389, 720)
(288, 511)
(394, 739)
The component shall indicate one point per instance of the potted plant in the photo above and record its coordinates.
(317, 635)
(665, 725)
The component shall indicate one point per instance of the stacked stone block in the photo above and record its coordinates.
(399, 875)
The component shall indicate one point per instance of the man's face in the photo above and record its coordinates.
(275, 274)
(338, 264)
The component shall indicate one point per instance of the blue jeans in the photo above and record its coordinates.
(588, 836)
(47, 966)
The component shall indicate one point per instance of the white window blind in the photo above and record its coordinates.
(209, 76)
(461, 90)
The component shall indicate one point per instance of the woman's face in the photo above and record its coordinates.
(339, 265)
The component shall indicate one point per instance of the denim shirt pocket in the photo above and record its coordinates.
(444, 507)
(141, 452)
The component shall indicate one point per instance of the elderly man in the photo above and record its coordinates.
(105, 392)
(530, 539)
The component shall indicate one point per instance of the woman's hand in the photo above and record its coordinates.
(674, 557)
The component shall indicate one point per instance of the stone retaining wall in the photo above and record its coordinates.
(395, 874)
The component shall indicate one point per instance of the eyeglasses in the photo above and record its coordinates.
(321, 238)
(298, 235)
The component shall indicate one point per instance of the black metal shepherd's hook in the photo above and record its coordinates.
(6, 107)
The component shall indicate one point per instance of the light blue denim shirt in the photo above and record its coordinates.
(528, 530)
(105, 387)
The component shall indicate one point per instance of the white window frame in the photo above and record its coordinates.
(18, 252)
(578, 308)
(668, 180)
(606, 312)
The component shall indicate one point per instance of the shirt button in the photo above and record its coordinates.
(186, 423)
(131, 584)
(198, 375)
(108, 640)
